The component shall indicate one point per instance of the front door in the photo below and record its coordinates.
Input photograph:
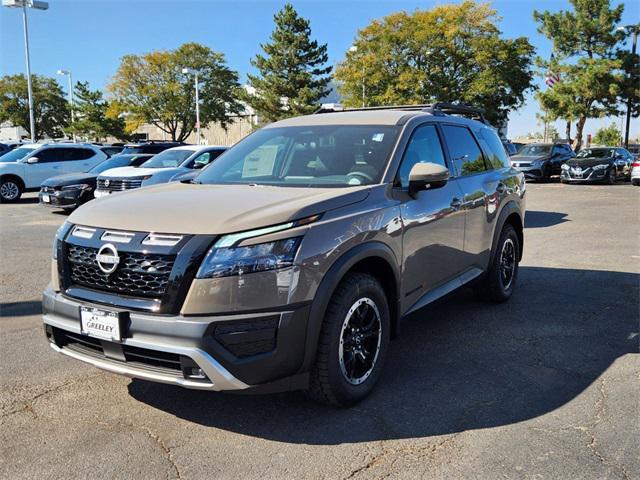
(50, 163)
(433, 222)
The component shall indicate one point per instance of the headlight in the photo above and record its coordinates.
(565, 166)
(230, 261)
(78, 186)
(64, 228)
(601, 167)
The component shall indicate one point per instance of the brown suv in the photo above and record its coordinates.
(289, 262)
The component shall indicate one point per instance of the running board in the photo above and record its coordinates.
(446, 288)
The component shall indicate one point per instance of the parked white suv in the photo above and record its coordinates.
(26, 167)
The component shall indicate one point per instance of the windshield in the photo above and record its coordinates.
(17, 154)
(596, 153)
(113, 162)
(535, 150)
(168, 158)
(313, 156)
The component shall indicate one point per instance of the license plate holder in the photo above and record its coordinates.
(101, 323)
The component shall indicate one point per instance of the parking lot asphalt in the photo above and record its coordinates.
(544, 386)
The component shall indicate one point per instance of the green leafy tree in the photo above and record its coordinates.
(609, 136)
(451, 53)
(151, 88)
(92, 116)
(292, 77)
(51, 110)
(588, 60)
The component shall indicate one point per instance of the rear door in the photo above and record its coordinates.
(482, 188)
(80, 159)
(433, 222)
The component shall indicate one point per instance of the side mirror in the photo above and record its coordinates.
(33, 160)
(425, 176)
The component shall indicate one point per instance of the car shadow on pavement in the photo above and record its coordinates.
(20, 309)
(457, 365)
(543, 219)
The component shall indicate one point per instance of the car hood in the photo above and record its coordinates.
(70, 179)
(528, 158)
(589, 162)
(124, 172)
(211, 209)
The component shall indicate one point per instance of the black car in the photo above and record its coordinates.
(71, 190)
(111, 150)
(151, 147)
(600, 164)
(539, 161)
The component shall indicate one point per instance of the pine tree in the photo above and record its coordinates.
(292, 77)
(91, 116)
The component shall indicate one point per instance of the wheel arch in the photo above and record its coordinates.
(511, 215)
(14, 177)
(374, 258)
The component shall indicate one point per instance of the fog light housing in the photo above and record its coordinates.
(195, 373)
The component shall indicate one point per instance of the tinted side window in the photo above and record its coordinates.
(78, 153)
(493, 147)
(423, 147)
(463, 150)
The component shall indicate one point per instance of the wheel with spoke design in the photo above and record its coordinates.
(498, 283)
(10, 190)
(353, 342)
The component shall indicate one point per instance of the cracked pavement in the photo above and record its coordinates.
(545, 386)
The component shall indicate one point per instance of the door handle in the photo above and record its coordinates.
(501, 188)
(456, 203)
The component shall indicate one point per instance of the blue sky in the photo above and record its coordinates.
(89, 37)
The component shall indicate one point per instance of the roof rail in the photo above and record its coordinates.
(438, 109)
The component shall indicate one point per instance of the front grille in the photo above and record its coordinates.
(155, 360)
(138, 274)
(119, 184)
(249, 337)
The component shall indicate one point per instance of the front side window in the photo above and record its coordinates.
(309, 156)
(48, 155)
(168, 159)
(463, 150)
(424, 146)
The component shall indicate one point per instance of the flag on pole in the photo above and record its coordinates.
(551, 77)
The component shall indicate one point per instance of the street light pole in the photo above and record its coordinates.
(38, 5)
(195, 80)
(68, 74)
(630, 29)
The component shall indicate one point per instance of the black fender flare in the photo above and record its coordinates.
(332, 278)
(509, 208)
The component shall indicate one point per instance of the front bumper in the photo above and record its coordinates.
(587, 176)
(260, 351)
(60, 198)
(531, 173)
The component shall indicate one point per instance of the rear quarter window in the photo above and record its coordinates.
(492, 144)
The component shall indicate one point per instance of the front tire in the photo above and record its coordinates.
(611, 178)
(499, 282)
(353, 342)
(10, 190)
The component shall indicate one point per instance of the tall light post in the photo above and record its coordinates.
(354, 49)
(195, 80)
(68, 74)
(634, 30)
(38, 5)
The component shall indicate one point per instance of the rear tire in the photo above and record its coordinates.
(10, 190)
(635, 181)
(353, 342)
(499, 282)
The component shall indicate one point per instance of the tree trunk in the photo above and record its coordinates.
(568, 131)
(579, 128)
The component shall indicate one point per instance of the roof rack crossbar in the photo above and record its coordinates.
(438, 109)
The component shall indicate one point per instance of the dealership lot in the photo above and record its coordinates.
(545, 386)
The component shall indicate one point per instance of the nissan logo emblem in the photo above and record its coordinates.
(107, 182)
(107, 258)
